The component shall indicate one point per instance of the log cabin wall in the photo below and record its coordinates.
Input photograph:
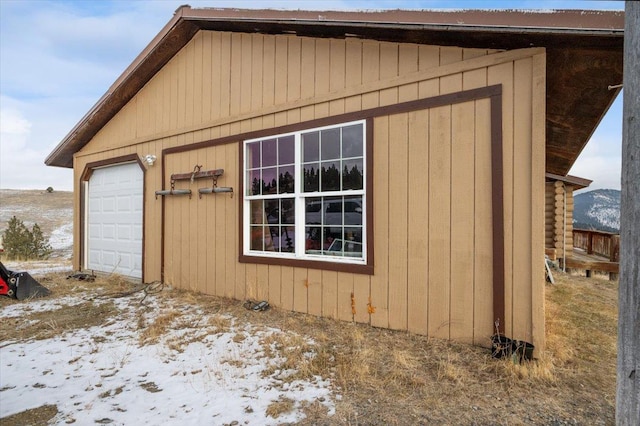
(431, 189)
(559, 217)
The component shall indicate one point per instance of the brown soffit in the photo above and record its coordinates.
(575, 181)
(584, 56)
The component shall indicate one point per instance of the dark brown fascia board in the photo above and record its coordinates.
(385, 26)
(577, 182)
(517, 29)
(559, 19)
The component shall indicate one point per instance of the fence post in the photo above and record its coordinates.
(614, 250)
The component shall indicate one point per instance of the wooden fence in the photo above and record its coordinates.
(605, 244)
(596, 243)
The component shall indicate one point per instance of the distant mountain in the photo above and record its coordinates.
(599, 209)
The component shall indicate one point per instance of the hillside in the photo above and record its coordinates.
(53, 212)
(598, 209)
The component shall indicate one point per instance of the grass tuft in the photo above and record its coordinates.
(280, 407)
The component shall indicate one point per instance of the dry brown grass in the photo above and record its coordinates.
(279, 407)
(45, 325)
(159, 327)
(388, 377)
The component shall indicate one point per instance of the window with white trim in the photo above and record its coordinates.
(305, 194)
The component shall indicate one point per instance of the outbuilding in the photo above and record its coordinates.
(380, 167)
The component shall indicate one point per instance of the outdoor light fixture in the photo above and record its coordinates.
(150, 159)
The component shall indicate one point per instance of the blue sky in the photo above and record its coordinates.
(57, 58)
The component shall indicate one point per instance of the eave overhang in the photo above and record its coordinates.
(584, 57)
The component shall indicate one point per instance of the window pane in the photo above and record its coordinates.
(286, 150)
(271, 238)
(257, 239)
(330, 144)
(313, 240)
(269, 185)
(254, 182)
(330, 176)
(286, 180)
(332, 239)
(332, 207)
(352, 142)
(353, 234)
(311, 177)
(353, 210)
(257, 214)
(272, 211)
(253, 155)
(313, 209)
(352, 174)
(287, 211)
(269, 153)
(310, 146)
(287, 239)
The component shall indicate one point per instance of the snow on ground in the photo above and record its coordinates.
(103, 375)
(62, 237)
(39, 267)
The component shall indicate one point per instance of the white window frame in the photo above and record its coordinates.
(299, 197)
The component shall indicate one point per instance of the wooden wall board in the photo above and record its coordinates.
(332, 292)
(418, 223)
(503, 74)
(538, 103)
(462, 221)
(398, 184)
(314, 292)
(522, 203)
(482, 233)
(379, 281)
(231, 216)
(439, 220)
(344, 292)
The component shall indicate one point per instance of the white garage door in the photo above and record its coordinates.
(114, 220)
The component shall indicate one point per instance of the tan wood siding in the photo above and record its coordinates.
(431, 175)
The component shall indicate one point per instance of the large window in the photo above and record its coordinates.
(304, 194)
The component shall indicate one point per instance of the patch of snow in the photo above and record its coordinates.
(607, 216)
(102, 374)
(35, 267)
(62, 238)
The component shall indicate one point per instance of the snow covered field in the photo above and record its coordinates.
(204, 368)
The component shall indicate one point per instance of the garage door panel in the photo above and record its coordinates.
(124, 233)
(114, 219)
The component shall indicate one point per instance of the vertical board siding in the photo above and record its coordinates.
(462, 222)
(482, 233)
(398, 187)
(538, 117)
(431, 178)
(379, 280)
(418, 223)
(503, 74)
(522, 154)
(439, 220)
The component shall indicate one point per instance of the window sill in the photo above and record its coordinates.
(365, 269)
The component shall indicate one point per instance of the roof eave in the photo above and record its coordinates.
(186, 22)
